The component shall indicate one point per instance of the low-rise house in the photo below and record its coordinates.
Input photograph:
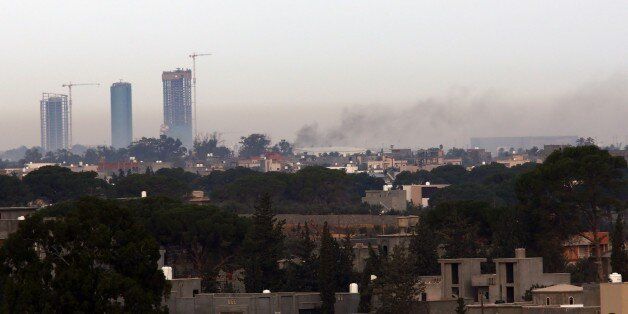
(514, 160)
(388, 200)
(518, 274)
(581, 246)
(419, 194)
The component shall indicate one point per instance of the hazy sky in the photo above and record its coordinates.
(479, 67)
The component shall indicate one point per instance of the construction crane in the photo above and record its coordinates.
(194, 55)
(69, 86)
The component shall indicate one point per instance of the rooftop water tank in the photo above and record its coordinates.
(353, 288)
(167, 272)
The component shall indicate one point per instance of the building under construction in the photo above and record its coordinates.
(55, 124)
(178, 105)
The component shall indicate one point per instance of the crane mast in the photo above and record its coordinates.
(69, 86)
(194, 56)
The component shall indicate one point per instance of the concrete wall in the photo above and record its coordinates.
(259, 303)
(613, 298)
(557, 298)
(520, 309)
(389, 200)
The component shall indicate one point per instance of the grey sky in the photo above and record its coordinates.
(279, 65)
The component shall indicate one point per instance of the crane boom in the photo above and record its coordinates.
(194, 55)
(69, 86)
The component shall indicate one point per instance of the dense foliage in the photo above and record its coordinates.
(493, 183)
(310, 190)
(92, 259)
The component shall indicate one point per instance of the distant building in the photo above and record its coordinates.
(613, 297)
(419, 194)
(518, 274)
(178, 105)
(493, 144)
(121, 115)
(55, 126)
(388, 200)
(513, 160)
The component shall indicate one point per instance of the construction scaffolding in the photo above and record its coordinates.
(55, 124)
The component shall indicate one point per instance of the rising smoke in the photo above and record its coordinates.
(598, 109)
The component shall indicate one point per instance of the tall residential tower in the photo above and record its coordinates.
(178, 105)
(121, 115)
(54, 122)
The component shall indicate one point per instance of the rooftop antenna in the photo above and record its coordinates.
(69, 86)
(194, 55)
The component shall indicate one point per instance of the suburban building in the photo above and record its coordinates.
(388, 200)
(581, 246)
(613, 296)
(518, 274)
(419, 194)
(186, 299)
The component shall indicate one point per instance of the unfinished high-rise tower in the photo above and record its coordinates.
(178, 105)
(54, 122)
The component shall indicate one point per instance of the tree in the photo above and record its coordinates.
(211, 238)
(583, 271)
(93, 259)
(424, 248)
(31, 155)
(589, 141)
(327, 271)
(372, 267)
(57, 184)
(174, 183)
(344, 270)
(619, 258)
(210, 145)
(262, 249)
(283, 147)
(12, 191)
(573, 191)
(302, 275)
(461, 307)
(398, 285)
(254, 145)
(163, 148)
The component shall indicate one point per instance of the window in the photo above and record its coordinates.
(423, 296)
(547, 301)
(510, 272)
(510, 294)
(455, 292)
(454, 274)
(570, 300)
(194, 292)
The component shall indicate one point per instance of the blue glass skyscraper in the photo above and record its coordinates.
(121, 115)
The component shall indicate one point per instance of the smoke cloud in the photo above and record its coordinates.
(598, 109)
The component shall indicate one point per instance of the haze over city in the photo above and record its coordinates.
(360, 73)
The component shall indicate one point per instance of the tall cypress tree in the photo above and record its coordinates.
(327, 271)
(619, 260)
(424, 249)
(262, 248)
(373, 266)
(345, 264)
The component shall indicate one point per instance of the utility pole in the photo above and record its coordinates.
(69, 86)
(194, 55)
